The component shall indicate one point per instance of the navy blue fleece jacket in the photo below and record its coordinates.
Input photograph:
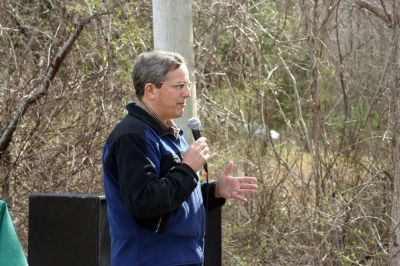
(155, 203)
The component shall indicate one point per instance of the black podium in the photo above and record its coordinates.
(72, 230)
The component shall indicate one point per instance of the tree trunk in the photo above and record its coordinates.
(311, 13)
(395, 215)
(315, 104)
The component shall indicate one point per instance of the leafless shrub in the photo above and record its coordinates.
(319, 72)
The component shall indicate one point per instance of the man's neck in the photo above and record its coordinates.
(169, 124)
(146, 105)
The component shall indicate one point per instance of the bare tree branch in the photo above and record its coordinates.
(43, 86)
(377, 11)
(300, 116)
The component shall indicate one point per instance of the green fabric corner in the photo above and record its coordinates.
(11, 251)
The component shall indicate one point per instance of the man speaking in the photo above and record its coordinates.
(156, 204)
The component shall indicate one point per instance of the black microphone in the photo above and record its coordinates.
(194, 124)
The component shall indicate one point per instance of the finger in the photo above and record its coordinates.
(228, 168)
(241, 198)
(248, 186)
(206, 149)
(205, 152)
(247, 179)
(204, 146)
(247, 191)
(201, 140)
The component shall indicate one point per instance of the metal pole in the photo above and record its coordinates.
(173, 31)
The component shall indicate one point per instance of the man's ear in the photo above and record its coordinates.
(150, 90)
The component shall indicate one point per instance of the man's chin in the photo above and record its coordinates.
(179, 114)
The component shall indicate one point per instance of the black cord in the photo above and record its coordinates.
(208, 188)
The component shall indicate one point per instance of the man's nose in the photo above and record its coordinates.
(187, 92)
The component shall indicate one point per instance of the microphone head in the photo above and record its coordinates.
(194, 123)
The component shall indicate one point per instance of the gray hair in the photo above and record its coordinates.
(153, 67)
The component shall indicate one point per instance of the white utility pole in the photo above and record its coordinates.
(173, 31)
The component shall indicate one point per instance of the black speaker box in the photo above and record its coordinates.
(68, 230)
(72, 230)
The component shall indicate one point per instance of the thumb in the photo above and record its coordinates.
(228, 168)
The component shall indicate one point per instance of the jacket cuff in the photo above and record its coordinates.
(190, 170)
(210, 201)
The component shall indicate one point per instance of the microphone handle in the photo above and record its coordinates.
(196, 135)
(205, 166)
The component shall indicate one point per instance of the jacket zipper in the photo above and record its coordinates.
(158, 225)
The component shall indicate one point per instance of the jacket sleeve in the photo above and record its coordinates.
(209, 200)
(146, 194)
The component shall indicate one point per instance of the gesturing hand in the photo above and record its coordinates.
(229, 187)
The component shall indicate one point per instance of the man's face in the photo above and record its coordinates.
(170, 100)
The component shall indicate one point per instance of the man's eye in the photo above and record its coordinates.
(181, 86)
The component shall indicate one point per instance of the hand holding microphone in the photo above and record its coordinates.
(198, 152)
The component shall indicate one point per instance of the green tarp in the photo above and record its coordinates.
(11, 252)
